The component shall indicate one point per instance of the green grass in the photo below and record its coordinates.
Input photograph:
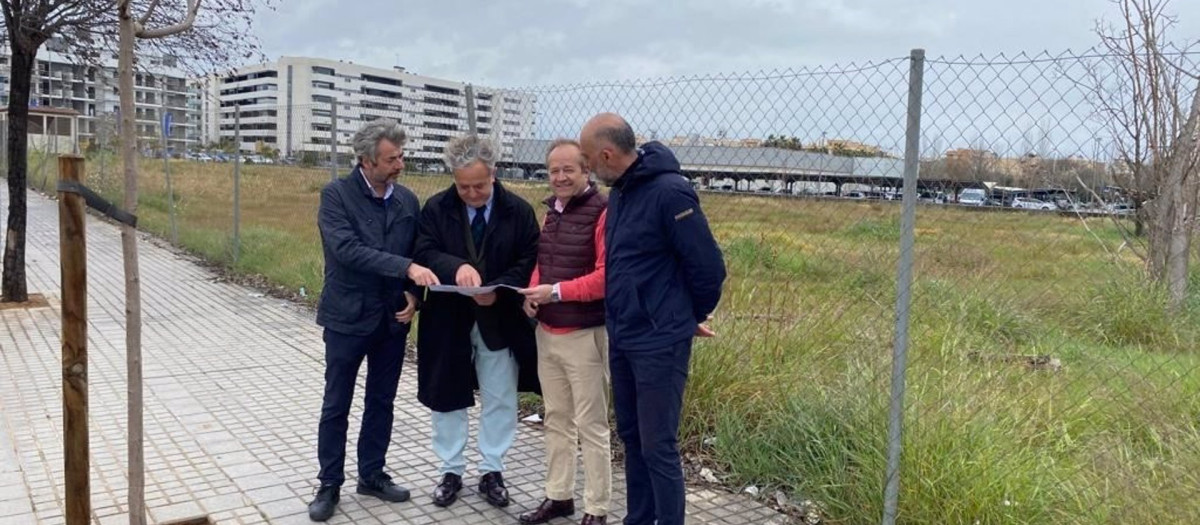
(793, 393)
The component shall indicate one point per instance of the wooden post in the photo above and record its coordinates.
(73, 245)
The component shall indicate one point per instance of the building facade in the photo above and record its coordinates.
(299, 107)
(62, 81)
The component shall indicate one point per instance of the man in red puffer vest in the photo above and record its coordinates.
(566, 295)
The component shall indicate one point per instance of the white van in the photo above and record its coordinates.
(972, 197)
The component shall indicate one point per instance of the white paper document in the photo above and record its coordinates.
(469, 291)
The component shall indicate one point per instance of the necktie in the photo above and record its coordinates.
(477, 225)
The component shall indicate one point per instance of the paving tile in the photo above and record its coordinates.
(233, 384)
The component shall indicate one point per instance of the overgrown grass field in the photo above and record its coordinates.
(793, 393)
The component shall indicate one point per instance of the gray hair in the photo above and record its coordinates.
(558, 143)
(468, 149)
(366, 140)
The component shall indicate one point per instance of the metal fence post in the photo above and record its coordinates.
(904, 277)
(162, 122)
(333, 141)
(471, 121)
(102, 149)
(237, 181)
(4, 147)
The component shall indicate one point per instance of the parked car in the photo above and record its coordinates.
(972, 197)
(1027, 203)
(1121, 208)
(932, 197)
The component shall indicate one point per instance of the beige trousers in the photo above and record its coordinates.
(573, 369)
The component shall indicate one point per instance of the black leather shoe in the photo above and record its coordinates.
(381, 486)
(548, 510)
(447, 491)
(491, 485)
(322, 506)
(589, 519)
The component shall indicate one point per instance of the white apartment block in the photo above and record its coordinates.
(296, 105)
(61, 81)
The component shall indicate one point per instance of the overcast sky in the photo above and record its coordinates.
(571, 41)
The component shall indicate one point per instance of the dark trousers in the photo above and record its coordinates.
(344, 355)
(648, 396)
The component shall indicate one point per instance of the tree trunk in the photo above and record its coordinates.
(14, 287)
(1181, 185)
(1161, 214)
(133, 300)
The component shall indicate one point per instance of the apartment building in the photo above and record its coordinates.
(299, 107)
(63, 81)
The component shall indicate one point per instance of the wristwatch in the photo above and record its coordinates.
(555, 295)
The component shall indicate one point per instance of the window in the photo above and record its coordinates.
(320, 84)
(381, 80)
(380, 106)
(442, 90)
(440, 102)
(381, 93)
(318, 70)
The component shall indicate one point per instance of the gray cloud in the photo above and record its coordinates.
(540, 42)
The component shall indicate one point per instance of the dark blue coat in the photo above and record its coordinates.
(368, 245)
(663, 267)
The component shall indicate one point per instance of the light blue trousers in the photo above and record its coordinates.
(497, 373)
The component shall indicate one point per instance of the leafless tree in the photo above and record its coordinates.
(158, 26)
(1150, 97)
(196, 40)
(87, 31)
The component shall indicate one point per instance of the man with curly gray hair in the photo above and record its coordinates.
(475, 233)
(368, 227)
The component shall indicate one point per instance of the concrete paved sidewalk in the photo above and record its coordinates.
(233, 390)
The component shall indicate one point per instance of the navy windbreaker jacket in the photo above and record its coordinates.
(663, 268)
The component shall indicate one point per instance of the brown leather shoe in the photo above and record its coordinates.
(589, 519)
(548, 510)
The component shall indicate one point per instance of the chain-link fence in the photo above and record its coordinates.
(1001, 356)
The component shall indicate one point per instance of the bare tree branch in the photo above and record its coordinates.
(1155, 133)
(149, 12)
(146, 33)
